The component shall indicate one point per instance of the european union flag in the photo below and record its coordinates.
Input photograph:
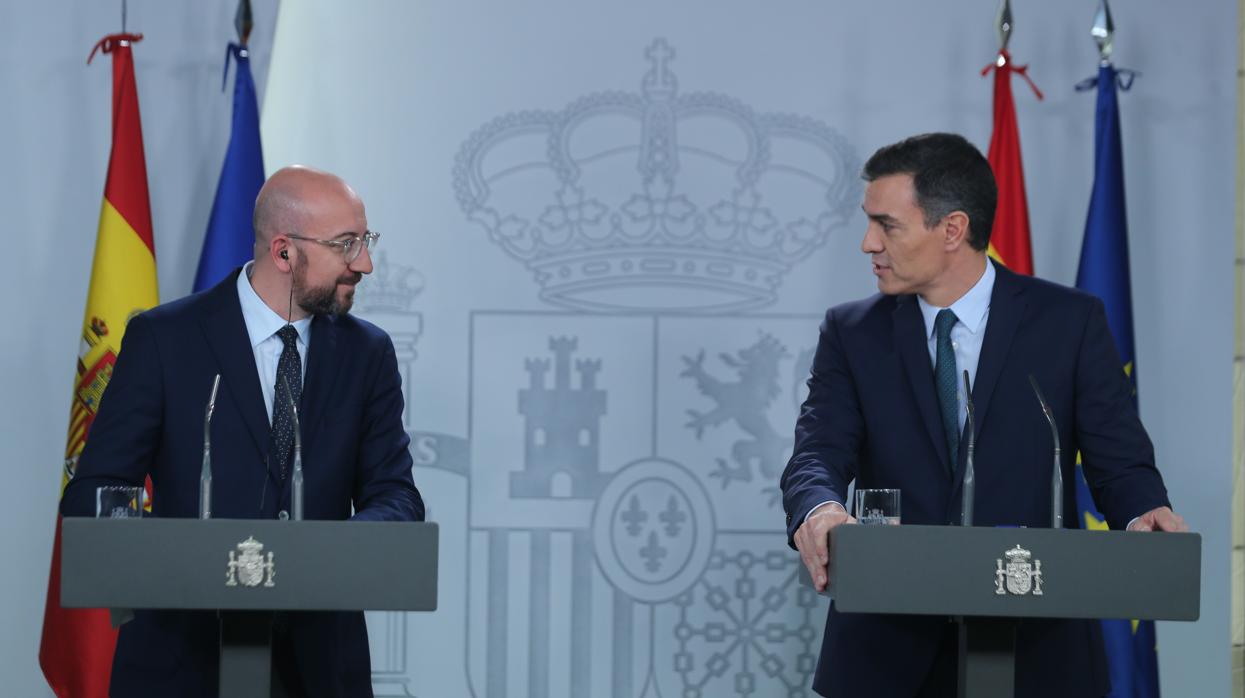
(230, 235)
(1131, 645)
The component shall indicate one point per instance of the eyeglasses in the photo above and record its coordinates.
(350, 248)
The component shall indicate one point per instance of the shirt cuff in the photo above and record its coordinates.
(825, 503)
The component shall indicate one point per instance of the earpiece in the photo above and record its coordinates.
(285, 254)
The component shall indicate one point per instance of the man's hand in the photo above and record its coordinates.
(810, 540)
(1160, 519)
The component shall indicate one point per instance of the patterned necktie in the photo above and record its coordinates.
(945, 382)
(289, 367)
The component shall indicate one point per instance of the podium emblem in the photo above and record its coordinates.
(248, 566)
(1019, 576)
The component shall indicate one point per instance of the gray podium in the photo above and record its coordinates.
(990, 578)
(246, 570)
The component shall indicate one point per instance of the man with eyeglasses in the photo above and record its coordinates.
(277, 330)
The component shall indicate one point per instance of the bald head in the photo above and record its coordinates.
(297, 208)
(291, 200)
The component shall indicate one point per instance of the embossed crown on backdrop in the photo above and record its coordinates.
(657, 201)
(391, 288)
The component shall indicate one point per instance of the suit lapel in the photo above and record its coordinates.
(323, 365)
(1007, 307)
(913, 346)
(231, 345)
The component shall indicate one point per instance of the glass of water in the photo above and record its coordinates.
(877, 507)
(118, 502)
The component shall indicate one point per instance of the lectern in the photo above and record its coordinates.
(990, 578)
(246, 570)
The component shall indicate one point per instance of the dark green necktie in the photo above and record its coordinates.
(945, 383)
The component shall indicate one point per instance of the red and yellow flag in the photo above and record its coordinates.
(76, 651)
(1009, 240)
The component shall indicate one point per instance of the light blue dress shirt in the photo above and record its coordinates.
(972, 310)
(262, 324)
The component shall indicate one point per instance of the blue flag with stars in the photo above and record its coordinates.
(1131, 646)
(230, 235)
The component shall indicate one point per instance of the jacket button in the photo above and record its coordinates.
(283, 515)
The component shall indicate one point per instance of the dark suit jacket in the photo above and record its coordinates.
(872, 415)
(150, 422)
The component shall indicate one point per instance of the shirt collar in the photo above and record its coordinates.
(261, 321)
(971, 307)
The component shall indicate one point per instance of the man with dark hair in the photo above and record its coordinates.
(886, 408)
(278, 324)
(948, 174)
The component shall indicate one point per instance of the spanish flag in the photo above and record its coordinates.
(76, 651)
(1009, 240)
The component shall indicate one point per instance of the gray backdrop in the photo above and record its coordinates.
(609, 231)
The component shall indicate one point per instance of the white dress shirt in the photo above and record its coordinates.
(262, 324)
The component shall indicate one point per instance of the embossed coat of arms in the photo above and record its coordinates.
(248, 566)
(625, 442)
(1018, 576)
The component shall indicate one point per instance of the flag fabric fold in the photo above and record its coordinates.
(230, 235)
(76, 650)
(1131, 646)
(1009, 239)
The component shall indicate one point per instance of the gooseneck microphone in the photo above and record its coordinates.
(970, 477)
(1056, 477)
(205, 475)
(296, 479)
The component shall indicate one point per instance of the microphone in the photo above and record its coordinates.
(296, 480)
(1056, 478)
(205, 475)
(970, 477)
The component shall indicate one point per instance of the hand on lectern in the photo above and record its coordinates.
(811, 540)
(1160, 519)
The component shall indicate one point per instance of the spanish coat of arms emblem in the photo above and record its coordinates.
(248, 566)
(1019, 576)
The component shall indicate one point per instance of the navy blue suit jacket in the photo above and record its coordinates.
(872, 415)
(150, 422)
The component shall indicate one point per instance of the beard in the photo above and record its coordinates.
(323, 300)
